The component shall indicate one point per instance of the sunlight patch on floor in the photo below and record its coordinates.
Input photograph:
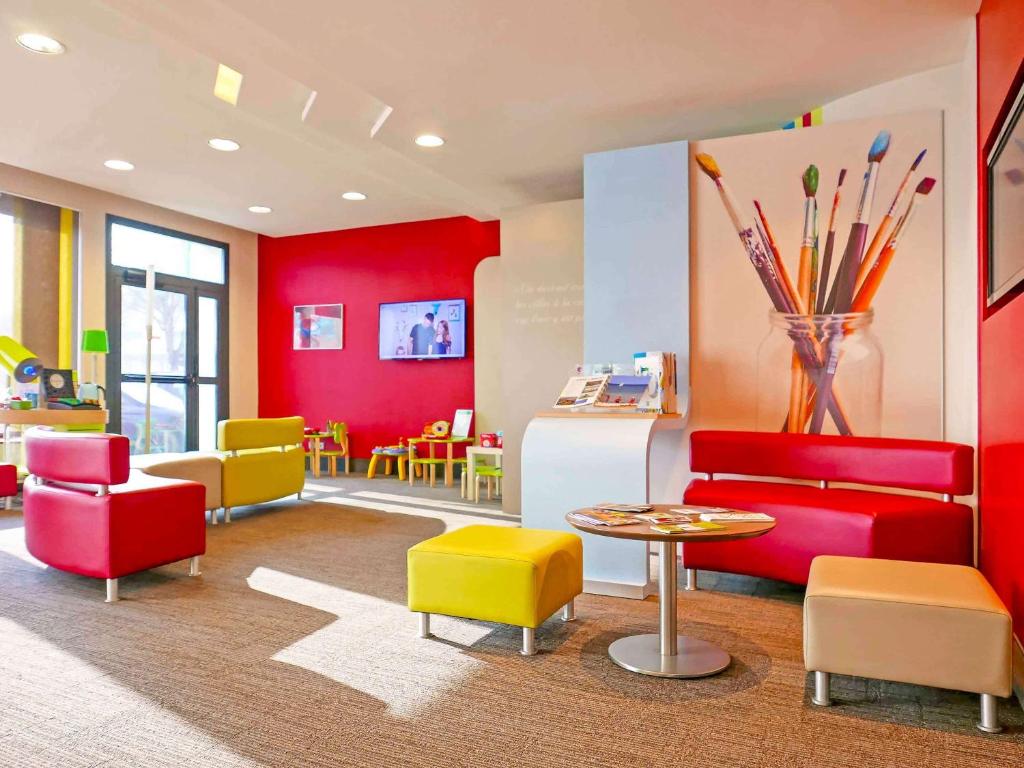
(316, 487)
(373, 646)
(438, 503)
(452, 520)
(12, 542)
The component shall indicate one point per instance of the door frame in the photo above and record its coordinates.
(193, 289)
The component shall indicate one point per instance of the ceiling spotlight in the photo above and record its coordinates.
(37, 43)
(259, 209)
(224, 145)
(353, 196)
(119, 165)
(429, 140)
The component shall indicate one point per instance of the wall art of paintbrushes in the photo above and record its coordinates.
(883, 226)
(846, 274)
(830, 241)
(757, 252)
(873, 280)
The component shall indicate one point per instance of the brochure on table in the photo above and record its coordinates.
(651, 387)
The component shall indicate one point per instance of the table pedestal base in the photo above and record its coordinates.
(694, 658)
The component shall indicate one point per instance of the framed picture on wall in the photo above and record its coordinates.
(1005, 225)
(318, 326)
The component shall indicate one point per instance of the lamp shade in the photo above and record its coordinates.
(95, 341)
(18, 361)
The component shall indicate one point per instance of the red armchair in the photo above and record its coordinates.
(86, 513)
(8, 483)
(820, 520)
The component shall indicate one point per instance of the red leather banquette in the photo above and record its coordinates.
(814, 520)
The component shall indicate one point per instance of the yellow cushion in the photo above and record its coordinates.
(507, 575)
(256, 476)
(243, 434)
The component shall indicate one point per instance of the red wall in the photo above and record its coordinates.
(1001, 333)
(380, 400)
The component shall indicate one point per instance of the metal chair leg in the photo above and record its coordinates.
(569, 611)
(529, 642)
(822, 681)
(989, 722)
(227, 515)
(691, 579)
(424, 625)
(299, 495)
(193, 566)
(112, 591)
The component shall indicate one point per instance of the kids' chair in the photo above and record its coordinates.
(339, 435)
(396, 453)
(493, 475)
(427, 465)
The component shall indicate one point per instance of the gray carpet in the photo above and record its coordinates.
(294, 648)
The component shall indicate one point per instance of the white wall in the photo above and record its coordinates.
(953, 90)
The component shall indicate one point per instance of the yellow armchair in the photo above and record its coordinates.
(263, 460)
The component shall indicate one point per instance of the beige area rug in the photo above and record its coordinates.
(294, 648)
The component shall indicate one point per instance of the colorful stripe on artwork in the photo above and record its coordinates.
(806, 120)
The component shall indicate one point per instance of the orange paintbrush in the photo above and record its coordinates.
(786, 281)
(873, 279)
(830, 241)
(883, 226)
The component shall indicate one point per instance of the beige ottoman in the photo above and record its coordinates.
(920, 623)
(204, 468)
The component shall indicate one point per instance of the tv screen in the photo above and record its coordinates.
(421, 330)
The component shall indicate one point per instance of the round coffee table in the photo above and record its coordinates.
(668, 654)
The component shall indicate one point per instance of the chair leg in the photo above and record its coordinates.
(299, 495)
(213, 516)
(346, 463)
(9, 502)
(193, 566)
(462, 483)
(401, 467)
(227, 515)
(476, 489)
(424, 625)
(821, 696)
(529, 642)
(433, 475)
(490, 485)
(112, 591)
(989, 722)
(334, 466)
(387, 467)
(691, 579)
(569, 611)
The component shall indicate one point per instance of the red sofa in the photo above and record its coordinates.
(8, 483)
(87, 513)
(814, 520)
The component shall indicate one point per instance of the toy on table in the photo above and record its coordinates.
(437, 429)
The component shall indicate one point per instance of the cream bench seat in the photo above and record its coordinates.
(921, 623)
(199, 467)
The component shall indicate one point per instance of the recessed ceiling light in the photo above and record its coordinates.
(429, 140)
(119, 165)
(224, 145)
(37, 43)
(354, 196)
(259, 209)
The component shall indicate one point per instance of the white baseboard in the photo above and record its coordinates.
(1018, 671)
(619, 589)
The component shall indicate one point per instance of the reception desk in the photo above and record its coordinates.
(571, 460)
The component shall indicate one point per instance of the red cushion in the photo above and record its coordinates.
(147, 522)
(77, 458)
(8, 480)
(923, 465)
(811, 522)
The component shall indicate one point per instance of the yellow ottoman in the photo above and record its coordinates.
(507, 575)
(920, 623)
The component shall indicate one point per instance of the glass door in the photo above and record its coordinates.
(188, 393)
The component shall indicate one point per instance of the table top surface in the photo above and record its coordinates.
(422, 439)
(54, 416)
(641, 531)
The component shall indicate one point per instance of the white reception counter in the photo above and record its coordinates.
(572, 460)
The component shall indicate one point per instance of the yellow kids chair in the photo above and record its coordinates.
(426, 464)
(339, 435)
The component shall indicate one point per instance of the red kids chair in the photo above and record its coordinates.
(87, 513)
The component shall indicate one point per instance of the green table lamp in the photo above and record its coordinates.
(94, 342)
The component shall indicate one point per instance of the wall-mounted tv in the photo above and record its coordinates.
(420, 330)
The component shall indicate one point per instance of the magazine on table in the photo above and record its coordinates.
(737, 517)
(606, 506)
(600, 517)
(694, 527)
(582, 390)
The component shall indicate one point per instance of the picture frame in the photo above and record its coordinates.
(1004, 225)
(318, 326)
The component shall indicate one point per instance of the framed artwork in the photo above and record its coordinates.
(1005, 225)
(318, 326)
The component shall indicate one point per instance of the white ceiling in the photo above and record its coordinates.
(521, 89)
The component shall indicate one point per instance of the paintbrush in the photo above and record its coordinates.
(830, 241)
(883, 226)
(874, 276)
(803, 287)
(795, 305)
(846, 274)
